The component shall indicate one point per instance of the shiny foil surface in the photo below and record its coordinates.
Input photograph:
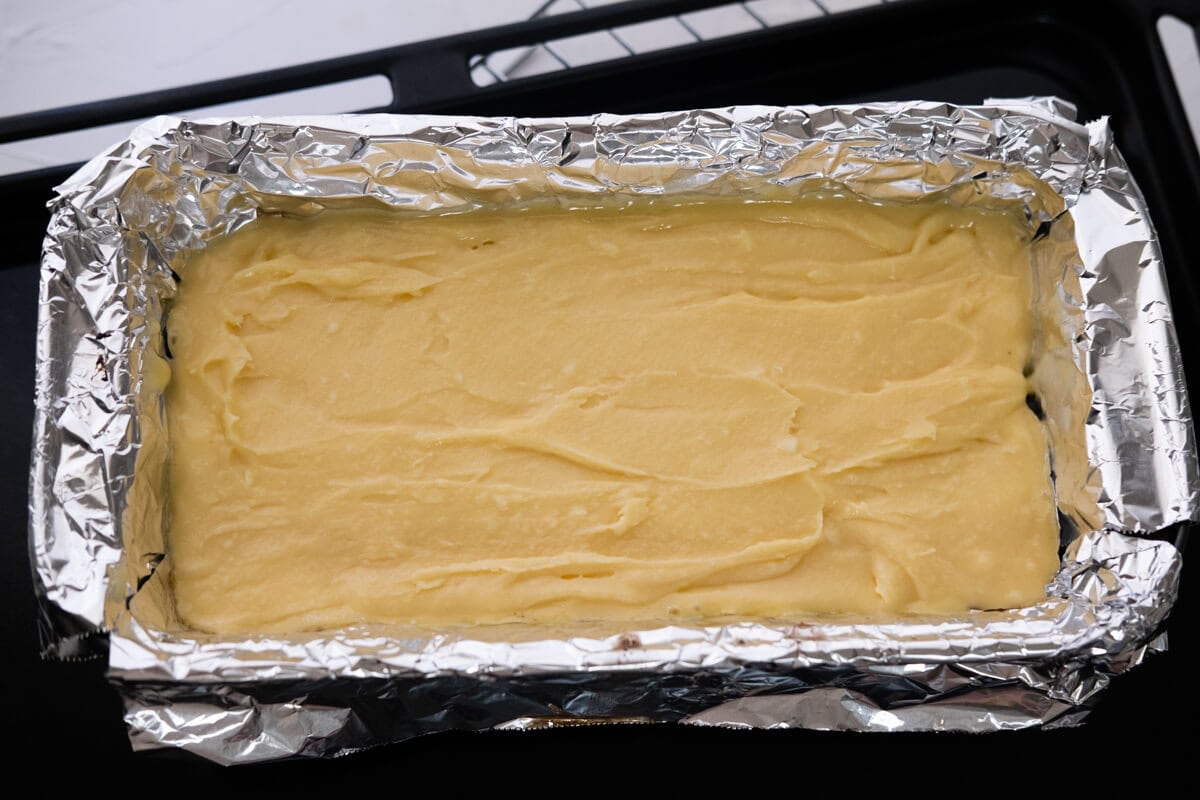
(1107, 372)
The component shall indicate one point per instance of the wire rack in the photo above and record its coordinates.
(675, 30)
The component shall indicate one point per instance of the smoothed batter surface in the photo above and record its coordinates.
(662, 411)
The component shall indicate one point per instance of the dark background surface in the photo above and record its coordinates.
(1104, 56)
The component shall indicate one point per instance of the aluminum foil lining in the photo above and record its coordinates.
(1107, 370)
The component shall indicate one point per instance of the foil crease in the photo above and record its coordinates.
(1108, 373)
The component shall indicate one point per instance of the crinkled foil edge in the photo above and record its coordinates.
(120, 221)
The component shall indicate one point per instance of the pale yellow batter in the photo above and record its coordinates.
(666, 411)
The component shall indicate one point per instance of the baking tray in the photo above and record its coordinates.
(1103, 56)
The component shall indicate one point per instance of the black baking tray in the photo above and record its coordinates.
(1104, 56)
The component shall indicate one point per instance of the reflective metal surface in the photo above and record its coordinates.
(1107, 371)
